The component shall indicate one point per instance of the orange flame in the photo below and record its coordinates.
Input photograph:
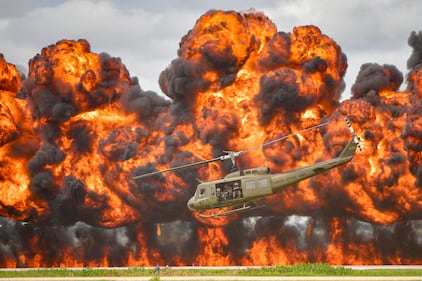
(77, 130)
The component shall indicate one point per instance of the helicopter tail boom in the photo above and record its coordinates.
(288, 178)
(349, 150)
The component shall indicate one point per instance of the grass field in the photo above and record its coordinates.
(294, 270)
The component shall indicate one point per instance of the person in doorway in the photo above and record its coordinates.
(237, 191)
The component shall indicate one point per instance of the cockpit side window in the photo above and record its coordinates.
(201, 193)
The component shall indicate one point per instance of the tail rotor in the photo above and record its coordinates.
(356, 138)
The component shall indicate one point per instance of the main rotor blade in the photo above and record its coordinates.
(177, 168)
(281, 138)
(230, 154)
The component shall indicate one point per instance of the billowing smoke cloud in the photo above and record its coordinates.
(373, 78)
(415, 41)
(82, 127)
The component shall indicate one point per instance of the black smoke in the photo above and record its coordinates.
(165, 231)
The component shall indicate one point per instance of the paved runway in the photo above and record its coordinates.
(223, 278)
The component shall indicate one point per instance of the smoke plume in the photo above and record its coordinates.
(78, 128)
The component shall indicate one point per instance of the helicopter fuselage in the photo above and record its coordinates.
(250, 185)
(236, 188)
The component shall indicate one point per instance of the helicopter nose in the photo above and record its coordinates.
(191, 205)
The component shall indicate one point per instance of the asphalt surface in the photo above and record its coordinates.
(221, 278)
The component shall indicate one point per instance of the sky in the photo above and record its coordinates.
(146, 34)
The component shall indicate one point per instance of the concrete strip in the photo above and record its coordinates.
(224, 278)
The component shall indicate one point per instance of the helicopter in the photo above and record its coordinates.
(241, 189)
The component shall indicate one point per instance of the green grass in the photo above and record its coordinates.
(294, 270)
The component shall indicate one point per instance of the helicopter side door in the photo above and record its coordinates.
(229, 190)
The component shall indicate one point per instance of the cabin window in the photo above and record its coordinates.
(250, 184)
(263, 183)
(201, 193)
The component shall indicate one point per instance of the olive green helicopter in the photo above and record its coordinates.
(241, 189)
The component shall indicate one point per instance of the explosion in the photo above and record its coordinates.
(78, 128)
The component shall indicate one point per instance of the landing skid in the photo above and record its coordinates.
(243, 208)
